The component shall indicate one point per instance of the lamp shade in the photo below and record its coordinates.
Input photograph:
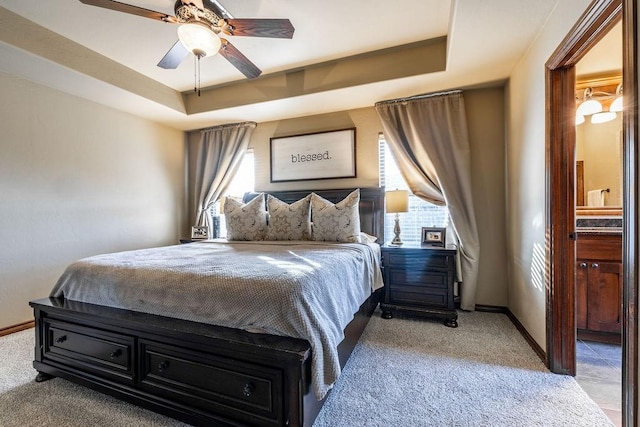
(607, 116)
(590, 106)
(579, 120)
(616, 105)
(397, 201)
(199, 39)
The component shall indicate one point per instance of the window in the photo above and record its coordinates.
(242, 182)
(421, 213)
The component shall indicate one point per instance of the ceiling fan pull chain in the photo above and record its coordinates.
(195, 74)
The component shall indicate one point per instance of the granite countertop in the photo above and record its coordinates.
(599, 230)
(599, 225)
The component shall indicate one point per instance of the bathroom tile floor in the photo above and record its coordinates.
(599, 373)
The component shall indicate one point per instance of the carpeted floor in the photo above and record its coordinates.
(407, 372)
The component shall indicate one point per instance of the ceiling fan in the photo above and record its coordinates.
(201, 22)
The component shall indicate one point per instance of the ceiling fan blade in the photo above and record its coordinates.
(238, 60)
(275, 28)
(174, 57)
(134, 10)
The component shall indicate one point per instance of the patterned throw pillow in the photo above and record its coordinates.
(246, 222)
(289, 221)
(336, 223)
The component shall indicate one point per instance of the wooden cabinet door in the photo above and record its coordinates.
(604, 296)
(582, 279)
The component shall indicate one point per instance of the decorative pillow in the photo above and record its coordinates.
(367, 238)
(289, 221)
(246, 221)
(336, 223)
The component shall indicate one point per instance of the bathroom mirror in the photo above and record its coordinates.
(599, 137)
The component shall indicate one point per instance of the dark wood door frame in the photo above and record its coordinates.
(630, 211)
(601, 16)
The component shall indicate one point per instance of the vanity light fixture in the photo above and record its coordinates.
(605, 116)
(616, 105)
(589, 105)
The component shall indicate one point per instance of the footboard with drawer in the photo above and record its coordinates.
(201, 374)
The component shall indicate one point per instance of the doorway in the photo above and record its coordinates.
(597, 21)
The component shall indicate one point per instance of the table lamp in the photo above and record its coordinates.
(397, 201)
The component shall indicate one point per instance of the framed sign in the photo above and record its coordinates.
(434, 236)
(323, 155)
(199, 232)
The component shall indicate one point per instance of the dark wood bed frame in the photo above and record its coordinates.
(198, 373)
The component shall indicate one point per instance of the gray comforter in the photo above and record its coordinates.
(308, 290)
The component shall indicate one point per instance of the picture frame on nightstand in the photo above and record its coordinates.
(199, 232)
(434, 236)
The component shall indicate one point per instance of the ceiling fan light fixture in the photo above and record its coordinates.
(199, 39)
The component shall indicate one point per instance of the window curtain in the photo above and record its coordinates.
(219, 156)
(427, 136)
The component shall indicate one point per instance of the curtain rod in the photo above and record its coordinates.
(421, 96)
(228, 125)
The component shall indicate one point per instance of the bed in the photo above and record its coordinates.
(161, 360)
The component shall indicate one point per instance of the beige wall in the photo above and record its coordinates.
(525, 179)
(77, 179)
(485, 115)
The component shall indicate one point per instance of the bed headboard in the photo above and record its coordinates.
(371, 205)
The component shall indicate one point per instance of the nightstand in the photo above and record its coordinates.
(419, 280)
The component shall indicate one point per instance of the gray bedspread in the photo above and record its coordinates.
(308, 290)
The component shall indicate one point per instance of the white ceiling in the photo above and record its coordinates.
(485, 40)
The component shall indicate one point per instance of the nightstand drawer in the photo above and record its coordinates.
(401, 277)
(410, 261)
(427, 298)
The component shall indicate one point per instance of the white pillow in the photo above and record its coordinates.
(289, 221)
(338, 222)
(246, 221)
(367, 238)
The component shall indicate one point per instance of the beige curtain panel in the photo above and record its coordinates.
(428, 138)
(219, 156)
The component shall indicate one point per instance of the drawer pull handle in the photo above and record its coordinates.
(594, 265)
(583, 265)
(248, 389)
(115, 354)
(163, 366)
(61, 339)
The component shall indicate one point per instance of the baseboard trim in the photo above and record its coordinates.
(606, 337)
(491, 309)
(17, 328)
(523, 331)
